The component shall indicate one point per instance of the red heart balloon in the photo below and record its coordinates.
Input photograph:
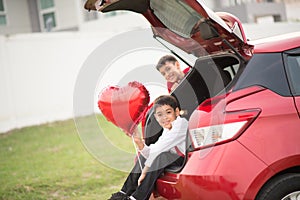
(124, 106)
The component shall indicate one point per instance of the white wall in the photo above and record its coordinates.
(38, 72)
(37, 76)
(66, 14)
(124, 21)
(293, 11)
(257, 31)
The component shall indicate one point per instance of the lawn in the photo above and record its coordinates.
(51, 162)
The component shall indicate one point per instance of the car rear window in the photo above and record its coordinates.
(176, 15)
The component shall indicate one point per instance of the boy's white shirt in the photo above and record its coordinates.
(169, 139)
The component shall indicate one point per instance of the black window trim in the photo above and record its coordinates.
(293, 53)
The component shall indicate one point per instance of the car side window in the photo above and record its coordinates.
(293, 66)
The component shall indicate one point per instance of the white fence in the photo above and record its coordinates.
(37, 76)
(38, 72)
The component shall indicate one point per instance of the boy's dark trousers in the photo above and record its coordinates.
(144, 190)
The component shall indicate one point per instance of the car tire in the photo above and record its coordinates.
(283, 187)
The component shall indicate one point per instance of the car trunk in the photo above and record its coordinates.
(209, 77)
(216, 39)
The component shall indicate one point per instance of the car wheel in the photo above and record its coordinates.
(283, 187)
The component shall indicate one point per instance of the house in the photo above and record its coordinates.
(259, 11)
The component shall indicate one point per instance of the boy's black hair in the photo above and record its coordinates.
(162, 61)
(165, 100)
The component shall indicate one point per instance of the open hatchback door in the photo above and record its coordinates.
(187, 24)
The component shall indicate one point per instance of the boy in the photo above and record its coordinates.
(169, 67)
(168, 150)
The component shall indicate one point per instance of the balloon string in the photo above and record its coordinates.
(137, 153)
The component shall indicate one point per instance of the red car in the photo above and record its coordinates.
(241, 99)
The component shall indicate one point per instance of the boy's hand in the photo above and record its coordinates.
(144, 171)
(141, 178)
(137, 139)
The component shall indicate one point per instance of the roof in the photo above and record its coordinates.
(277, 43)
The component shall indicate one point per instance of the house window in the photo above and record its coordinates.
(47, 4)
(3, 20)
(277, 18)
(111, 14)
(47, 12)
(49, 20)
(1, 6)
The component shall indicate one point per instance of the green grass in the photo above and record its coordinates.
(50, 162)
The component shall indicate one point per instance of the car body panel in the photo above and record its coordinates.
(215, 173)
(275, 110)
(277, 43)
(297, 102)
(218, 172)
(139, 6)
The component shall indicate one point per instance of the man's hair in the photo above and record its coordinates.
(165, 100)
(162, 61)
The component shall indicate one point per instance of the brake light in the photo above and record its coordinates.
(211, 124)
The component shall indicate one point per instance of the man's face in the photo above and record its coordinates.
(172, 72)
(165, 115)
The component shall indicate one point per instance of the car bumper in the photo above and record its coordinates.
(227, 171)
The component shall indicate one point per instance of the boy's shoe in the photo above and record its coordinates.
(129, 198)
(118, 196)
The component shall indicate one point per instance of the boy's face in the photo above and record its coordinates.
(172, 72)
(165, 115)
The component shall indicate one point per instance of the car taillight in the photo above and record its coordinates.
(211, 124)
